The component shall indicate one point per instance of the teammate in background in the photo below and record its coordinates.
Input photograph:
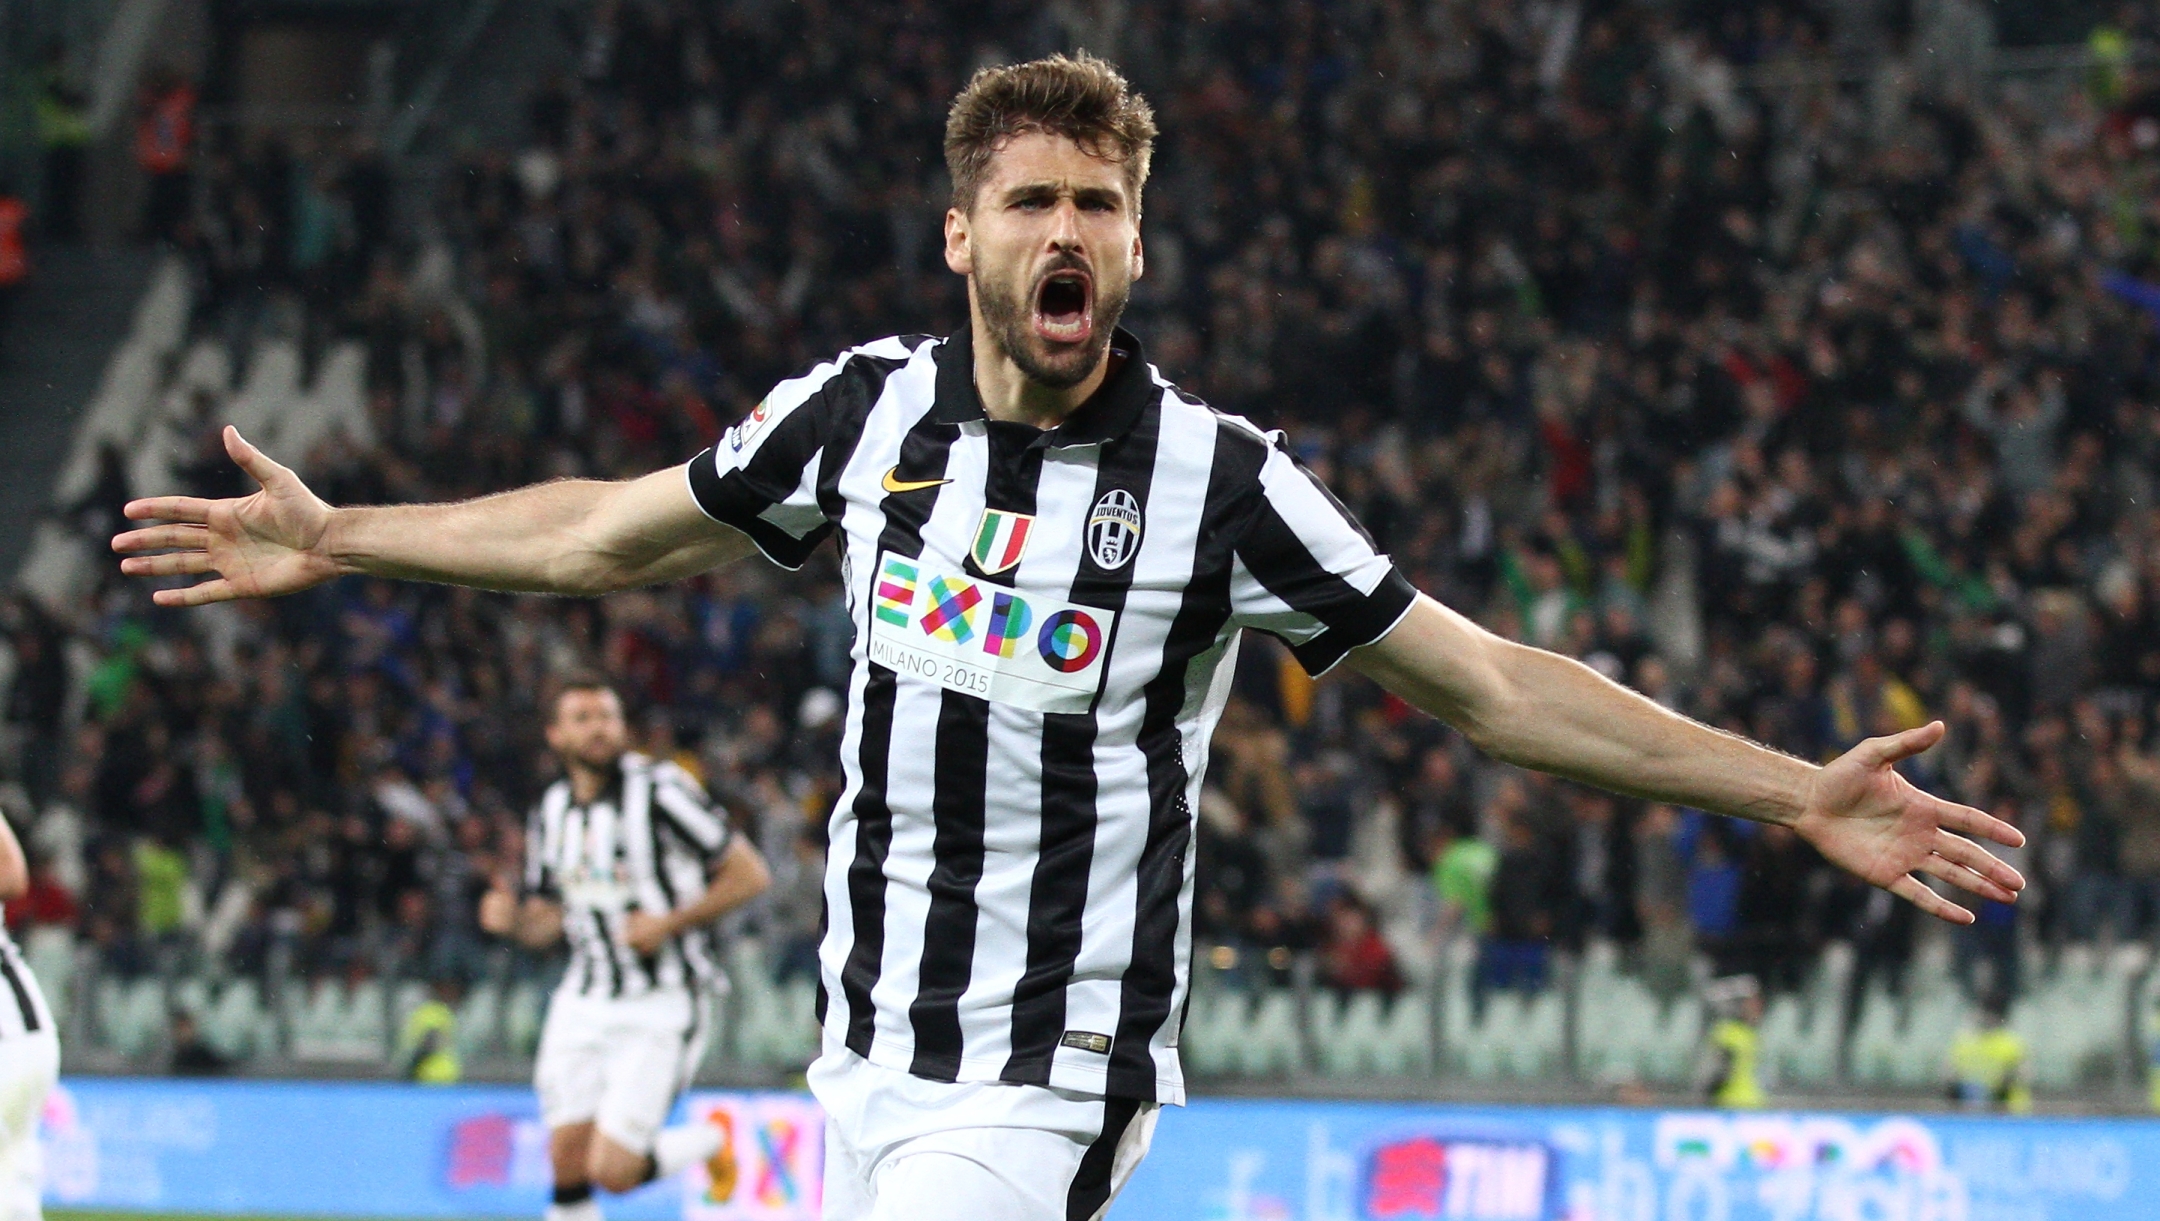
(1051, 555)
(626, 859)
(1731, 1072)
(1988, 1064)
(29, 1055)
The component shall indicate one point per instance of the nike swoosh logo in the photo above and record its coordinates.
(894, 483)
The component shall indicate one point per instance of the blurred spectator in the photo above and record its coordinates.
(164, 139)
(62, 113)
(1354, 957)
(191, 1055)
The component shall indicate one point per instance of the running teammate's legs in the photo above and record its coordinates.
(608, 1073)
(29, 1065)
(653, 1047)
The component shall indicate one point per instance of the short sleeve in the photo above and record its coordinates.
(680, 805)
(1304, 570)
(762, 476)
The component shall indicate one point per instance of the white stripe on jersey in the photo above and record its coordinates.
(1009, 883)
(648, 843)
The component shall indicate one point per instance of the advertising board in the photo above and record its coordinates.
(383, 1150)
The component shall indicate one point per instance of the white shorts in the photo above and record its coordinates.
(29, 1065)
(902, 1148)
(618, 1063)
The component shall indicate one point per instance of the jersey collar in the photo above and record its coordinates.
(1108, 414)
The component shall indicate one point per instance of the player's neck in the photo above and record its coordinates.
(1010, 395)
(588, 782)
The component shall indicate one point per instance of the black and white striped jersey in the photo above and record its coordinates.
(22, 1004)
(648, 843)
(1045, 628)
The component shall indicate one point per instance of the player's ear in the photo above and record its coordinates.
(958, 255)
(1139, 256)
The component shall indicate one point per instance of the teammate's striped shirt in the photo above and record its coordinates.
(648, 842)
(1045, 629)
(22, 1002)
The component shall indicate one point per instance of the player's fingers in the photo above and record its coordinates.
(1969, 821)
(168, 508)
(1978, 859)
(220, 590)
(256, 463)
(171, 564)
(1902, 745)
(1915, 892)
(163, 538)
(1965, 879)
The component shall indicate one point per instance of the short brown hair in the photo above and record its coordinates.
(1084, 99)
(576, 680)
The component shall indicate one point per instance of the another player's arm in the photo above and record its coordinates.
(738, 876)
(572, 536)
(14, 866)
(532, 921)
(1541, 710)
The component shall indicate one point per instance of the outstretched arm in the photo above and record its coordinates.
(573, 536)
(1544, 711)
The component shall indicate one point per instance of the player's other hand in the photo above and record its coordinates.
(1864, 817)
(260, 546)
(646, 932)
(498, 909)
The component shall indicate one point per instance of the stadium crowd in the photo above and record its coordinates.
(1563, 314)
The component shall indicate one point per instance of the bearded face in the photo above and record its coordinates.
(1050, 248)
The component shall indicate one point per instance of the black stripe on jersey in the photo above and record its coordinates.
(1151, 977)
(607, 947)
(845, 426)
(923, 454)
(1091, 1181)
(662, 813)
(1057, 900)
(959, 799)
(957, 804)
(22, 994)
(772, 474)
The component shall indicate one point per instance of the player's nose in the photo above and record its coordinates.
(1065, 227)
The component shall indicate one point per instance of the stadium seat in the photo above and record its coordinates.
(523, 1010)
(237, 1023)
(50, 952)
(1270, 1042)
(129, 1015)
(339, 1024)
(479, 1020)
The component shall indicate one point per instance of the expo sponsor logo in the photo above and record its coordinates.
(985, 640)
(771, 1162)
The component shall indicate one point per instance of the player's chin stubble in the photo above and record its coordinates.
(1008, 313)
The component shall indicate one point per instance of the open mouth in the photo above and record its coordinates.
(1063, 312)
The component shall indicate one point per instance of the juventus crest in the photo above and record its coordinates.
(1113, 529)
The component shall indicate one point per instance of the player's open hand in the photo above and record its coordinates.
(1864, 817)
(260, 546)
